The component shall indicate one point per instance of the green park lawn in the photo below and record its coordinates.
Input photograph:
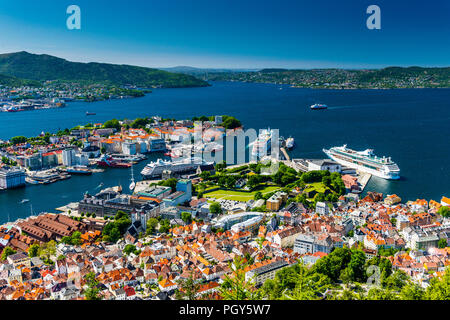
(318, 186)
(239, 195)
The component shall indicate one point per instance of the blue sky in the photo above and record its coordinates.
(231, 33)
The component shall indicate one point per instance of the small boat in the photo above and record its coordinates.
(318, 106)
(132, 184)
(90, 113)
(290, 143)
(25, 201)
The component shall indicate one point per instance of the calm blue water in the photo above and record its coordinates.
(410, 125)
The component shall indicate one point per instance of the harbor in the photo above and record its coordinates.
(310, 137)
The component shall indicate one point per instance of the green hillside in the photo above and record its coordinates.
(44, 67)
(9, 81)
(391, 77)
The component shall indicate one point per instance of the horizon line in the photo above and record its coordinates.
(242, 69)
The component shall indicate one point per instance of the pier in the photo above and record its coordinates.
(363, 179)
(285, 154)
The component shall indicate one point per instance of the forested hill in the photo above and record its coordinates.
(42, 67)
(17, 82)
(387, 78)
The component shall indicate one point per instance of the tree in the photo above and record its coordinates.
(33, 250)
(332, 264)
(221, 166)
(152, 223)
(7, 252)
(442, 243)
(439, 288)
(356, 264)
(444, 211)
(186, 217)
(129, 248)
(253, 181)
(258, 195)
(114, 124)
(187, 288)
(215, 208)
(172, 183)
(205, 175)
(412, 291)
(18, 140)
(236, 287)
(231, 122)
(380, 294)
(326, 181)
(309, 285)
(396, 281)
(92, 292)
(164, 226)
(48, 249)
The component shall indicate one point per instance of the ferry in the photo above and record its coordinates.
(365, 161)
(107, 161)
(262, 144)
(155, 168)
(318, 106)
(79, 170)
(290, 143)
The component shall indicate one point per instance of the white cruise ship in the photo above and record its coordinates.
(262, 144)
(155, 168)
(365, 161)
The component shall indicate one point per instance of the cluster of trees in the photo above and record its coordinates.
(8, 161)
(228, 122)
(74, 239)
(7, 251)
(172, 182)
(285, 175)
(129, 248)
(370, 280)
(164, 225)
(227, 181)
(215, 208)
(113, 123)
(140, 123)
(114, 230)
(444, 211)
(186, 217)
(93, 290)
(18, 140)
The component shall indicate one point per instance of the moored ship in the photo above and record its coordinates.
(106, 161)
(365, 161)
(262, 144)
(79, 170)
(155, 168)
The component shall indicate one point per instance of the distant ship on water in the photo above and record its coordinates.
(319, 106)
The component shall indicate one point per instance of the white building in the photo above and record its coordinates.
(11, 178)
(322, 208)
(324, 165)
